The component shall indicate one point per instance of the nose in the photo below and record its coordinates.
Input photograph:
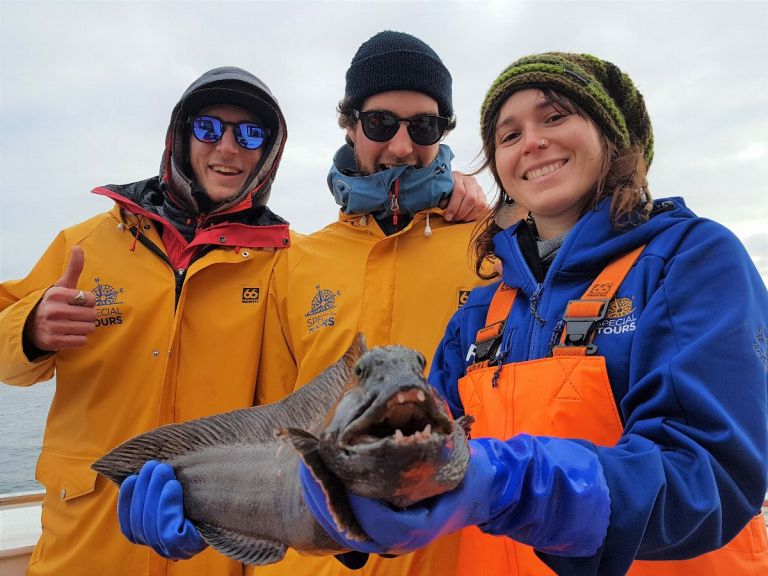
(401, 144)
(532, 140)
(227, 143)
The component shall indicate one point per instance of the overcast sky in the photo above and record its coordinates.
(86, 90)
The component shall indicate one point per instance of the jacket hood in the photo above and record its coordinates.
(419, 188)
(591, 244)
(226, 85)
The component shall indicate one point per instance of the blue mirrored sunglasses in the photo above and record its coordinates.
(210, 129)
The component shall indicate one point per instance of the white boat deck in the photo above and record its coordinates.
(19, 530)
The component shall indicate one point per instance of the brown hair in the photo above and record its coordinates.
(622, 176)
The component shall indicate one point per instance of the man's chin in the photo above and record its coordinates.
(217, 195)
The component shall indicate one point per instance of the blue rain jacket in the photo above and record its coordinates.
(688, 365)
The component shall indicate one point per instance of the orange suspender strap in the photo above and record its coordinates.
(581, 316)
(489, 337)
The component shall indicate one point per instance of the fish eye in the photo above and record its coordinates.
(359, 371)
(422, 360)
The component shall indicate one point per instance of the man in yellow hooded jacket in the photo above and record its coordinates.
(390, 267)
(133, 308)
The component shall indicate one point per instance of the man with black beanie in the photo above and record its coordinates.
(391, 267)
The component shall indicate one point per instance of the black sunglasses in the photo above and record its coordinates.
(424, 129)
(210, 129)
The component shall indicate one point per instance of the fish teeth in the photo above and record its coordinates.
(420, 395)
(418, 436)
(423, 435)
(401, 398)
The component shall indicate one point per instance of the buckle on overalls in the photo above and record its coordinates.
(579, 328)
(488, 342)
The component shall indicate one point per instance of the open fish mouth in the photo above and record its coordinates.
(410, 416)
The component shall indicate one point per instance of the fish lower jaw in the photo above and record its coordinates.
(398, 440)
(424, 435)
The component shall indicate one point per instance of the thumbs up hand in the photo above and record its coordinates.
(65, 316)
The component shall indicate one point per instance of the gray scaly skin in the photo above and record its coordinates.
(358, 426)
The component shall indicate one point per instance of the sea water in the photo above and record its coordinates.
(22, 420)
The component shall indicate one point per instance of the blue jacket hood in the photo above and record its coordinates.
(420, 188)
(590, 245)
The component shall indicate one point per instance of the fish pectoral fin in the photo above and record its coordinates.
(466, 422)
(245, 549)
(301, 440)
(335, 492)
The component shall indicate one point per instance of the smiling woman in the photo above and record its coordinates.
(548, 158)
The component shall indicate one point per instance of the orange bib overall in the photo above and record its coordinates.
(569, 395)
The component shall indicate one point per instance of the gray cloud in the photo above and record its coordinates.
(86, 89)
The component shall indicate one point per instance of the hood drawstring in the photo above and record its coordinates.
(427, 229)
(394, 201)
(535, 297)
(136, 231)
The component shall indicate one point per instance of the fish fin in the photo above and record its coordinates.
(466, 422)
(301, 440)
(160, 444)
(172, 440)
(335, 493)
(245, 549)
(355, 351)
(304, 408)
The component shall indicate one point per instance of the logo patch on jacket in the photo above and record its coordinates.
(761, 346)
(463, 296)
(619, 318)
(108, 300)
(251, 295)
(321, 309)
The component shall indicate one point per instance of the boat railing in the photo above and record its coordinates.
(18, 499)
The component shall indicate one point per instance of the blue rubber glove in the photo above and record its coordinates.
(399, 531)
(150, 509)
(548, 493)
(316, 503)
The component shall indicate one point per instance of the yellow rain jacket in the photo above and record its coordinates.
(350, 277)
(180, 290)
(149, 362)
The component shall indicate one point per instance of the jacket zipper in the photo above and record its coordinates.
(178, 274)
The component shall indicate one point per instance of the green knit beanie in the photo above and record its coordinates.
(599, 87)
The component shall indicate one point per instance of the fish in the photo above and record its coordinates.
(369, 423)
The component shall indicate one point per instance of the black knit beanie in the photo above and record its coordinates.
(605, 92)
(398, 61)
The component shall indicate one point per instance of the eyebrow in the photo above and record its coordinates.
(511, 119)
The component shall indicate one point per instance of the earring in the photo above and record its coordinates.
(508, 199)
(541, 144)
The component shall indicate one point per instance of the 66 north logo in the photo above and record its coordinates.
(251, 295)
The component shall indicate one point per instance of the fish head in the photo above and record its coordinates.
(390, 435)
